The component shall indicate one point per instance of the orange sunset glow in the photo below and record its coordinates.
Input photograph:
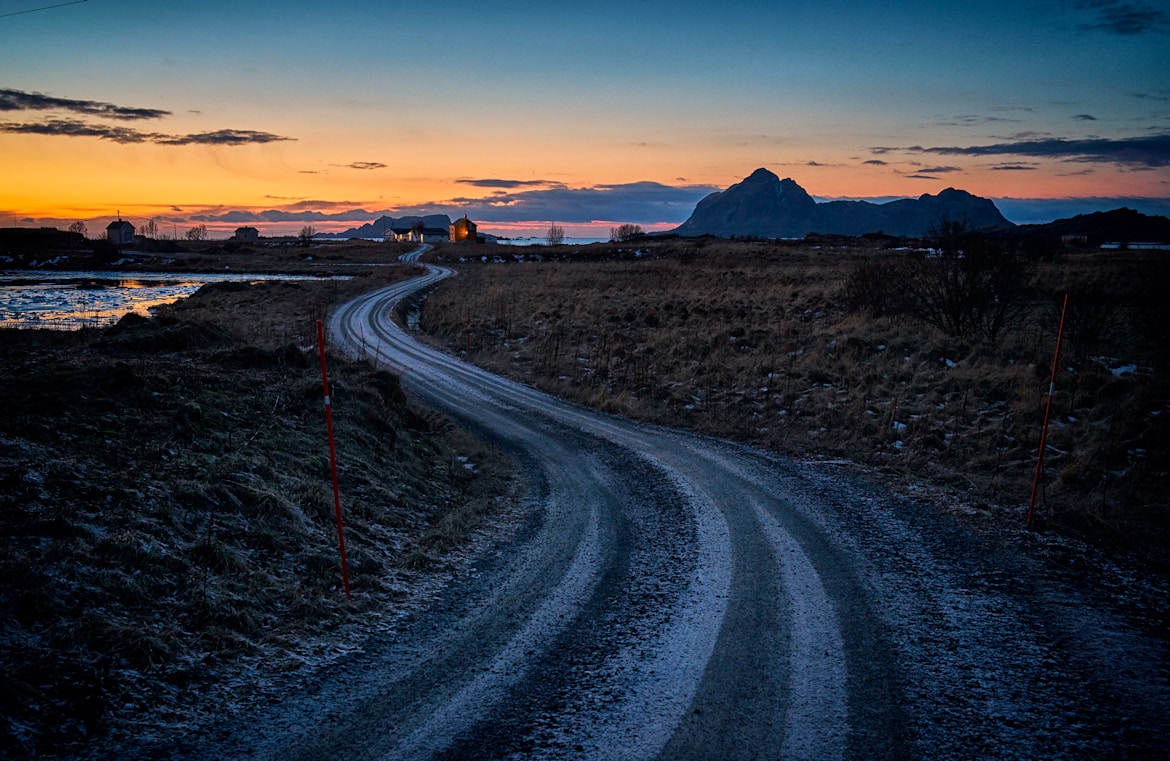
(1046, 107)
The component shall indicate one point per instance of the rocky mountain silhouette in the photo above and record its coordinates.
(1122, 225)
(763, 205)
(378, 228)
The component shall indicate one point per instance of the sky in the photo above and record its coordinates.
(523, 114)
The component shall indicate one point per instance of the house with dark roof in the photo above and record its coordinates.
(120, 233)
(416, 233)
(246, 234)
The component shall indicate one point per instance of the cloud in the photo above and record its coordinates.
(273, 216)
(968, 120)
(642, 202)
(876, 162)
(127, 135)
(1084, 118)
(938, 169)
(1152, 151)
(507, 184)
(74, 128)
(1124, 18)
(366, 165)
(223, 137)
(18, 100)
(1013, 168)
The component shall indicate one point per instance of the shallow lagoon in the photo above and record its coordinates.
(74, 300)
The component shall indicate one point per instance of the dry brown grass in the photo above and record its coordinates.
(756, 341)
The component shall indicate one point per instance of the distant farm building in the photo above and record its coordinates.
(246, 235)
(416, 234)
(463, 231)
(120, 233)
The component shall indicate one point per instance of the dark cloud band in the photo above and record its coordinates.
(1152, 151)
(223, 137)
(1124, 18)
(126, 135)
(506, 184)
(641, 202)
(18, 100)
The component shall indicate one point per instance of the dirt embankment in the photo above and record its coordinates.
(167, 513)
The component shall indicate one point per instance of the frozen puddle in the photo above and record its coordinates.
(74, 300)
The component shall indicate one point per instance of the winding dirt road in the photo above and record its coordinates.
(679, 597)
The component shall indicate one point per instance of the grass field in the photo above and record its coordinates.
(167, 513)
(819, 351)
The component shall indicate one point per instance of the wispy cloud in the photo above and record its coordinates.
(1084, 118)
(1013, 168)
(876, 162)
(507, 184)
(223, 137)
(1124, 18)
(74, 128)
(366, 165)
(968, 120)
(127, 135)
(18, 100)
(1149, 152)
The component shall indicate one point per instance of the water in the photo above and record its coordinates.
(542, 241)
(74, 300)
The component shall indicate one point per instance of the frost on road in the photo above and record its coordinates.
(672, 596)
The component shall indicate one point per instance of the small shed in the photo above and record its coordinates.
(463, 231)
(120, 233)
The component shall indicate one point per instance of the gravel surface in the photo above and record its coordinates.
(667, 595)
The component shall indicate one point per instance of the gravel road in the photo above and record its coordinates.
(667, 595)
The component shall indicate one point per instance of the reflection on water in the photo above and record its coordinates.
(74, 300)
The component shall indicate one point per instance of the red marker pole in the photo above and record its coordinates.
(332, 456)
(1047, 414)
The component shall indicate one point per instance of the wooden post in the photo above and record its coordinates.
(1047, 414)
(333, 457)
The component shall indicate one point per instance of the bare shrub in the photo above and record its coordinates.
(968, 286)
(625, 232)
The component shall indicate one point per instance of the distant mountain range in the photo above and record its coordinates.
(378, 228)
(765, 206)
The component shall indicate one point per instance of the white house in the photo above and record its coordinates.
(416, 234)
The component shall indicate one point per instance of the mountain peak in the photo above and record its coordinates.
(763, 205)
(763, 175)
